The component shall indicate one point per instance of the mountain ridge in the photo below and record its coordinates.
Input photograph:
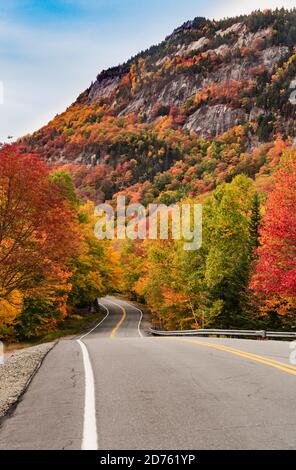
(208, 78)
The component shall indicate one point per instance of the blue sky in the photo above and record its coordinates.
(50, 50)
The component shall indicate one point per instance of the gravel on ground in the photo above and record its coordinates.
(17, 371)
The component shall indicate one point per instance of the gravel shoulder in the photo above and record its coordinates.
(17, 371)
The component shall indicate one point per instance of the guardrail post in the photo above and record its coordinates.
(264, 337)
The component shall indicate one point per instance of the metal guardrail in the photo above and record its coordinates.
(280, 334)
(238, 333)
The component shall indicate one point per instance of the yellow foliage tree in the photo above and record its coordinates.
(11, 307)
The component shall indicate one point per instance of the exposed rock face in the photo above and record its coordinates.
(103, 89)
(272, 55)
(241, 55)
(235, 28)
(214, 120)
(193, 46)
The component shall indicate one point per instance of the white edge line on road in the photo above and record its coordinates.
(141, 318)
(90, 435)
(93, 329)
(141, 315)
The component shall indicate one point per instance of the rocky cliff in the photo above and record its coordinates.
(204, 80)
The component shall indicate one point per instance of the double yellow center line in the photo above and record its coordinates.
(123, 317)
(237, 352)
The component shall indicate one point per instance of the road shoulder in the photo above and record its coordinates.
(17, 372)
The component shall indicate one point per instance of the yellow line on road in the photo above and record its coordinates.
(120, 321)
(254, 357)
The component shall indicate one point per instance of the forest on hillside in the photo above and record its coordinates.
(51, 263)
(204, 117)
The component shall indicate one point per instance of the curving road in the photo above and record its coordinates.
(117, 388)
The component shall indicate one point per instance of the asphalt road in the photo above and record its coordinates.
(116, 388)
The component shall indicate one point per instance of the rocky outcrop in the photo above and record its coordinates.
(240, 55)
(214, 120)
(103, 89)
(205, 78)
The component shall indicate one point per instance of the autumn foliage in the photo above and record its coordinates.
(204, 117)
(275, 278)
(46, 234)
(37, 230)
(244, 275)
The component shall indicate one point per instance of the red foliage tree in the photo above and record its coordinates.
(38, 235)
(275, 278)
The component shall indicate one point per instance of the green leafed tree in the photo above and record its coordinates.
(227, 240)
